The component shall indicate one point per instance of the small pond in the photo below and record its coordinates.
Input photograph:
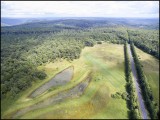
(60, 79)
(74, 92)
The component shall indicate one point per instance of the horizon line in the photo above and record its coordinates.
(79, 17)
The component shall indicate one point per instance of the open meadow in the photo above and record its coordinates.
(103, 64)
(151, 70)
(80, 60)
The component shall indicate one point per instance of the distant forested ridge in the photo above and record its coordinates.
(26, 46)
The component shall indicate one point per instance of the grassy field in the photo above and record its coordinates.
(151, 70)
(104, 64)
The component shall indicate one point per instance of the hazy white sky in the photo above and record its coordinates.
(79, 9)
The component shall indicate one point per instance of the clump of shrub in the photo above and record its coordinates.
(125, 96)
(119, 95)
(40, 75)
(89, 42)
(99, 42)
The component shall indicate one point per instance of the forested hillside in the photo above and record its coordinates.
(24, 47)
(147, 40)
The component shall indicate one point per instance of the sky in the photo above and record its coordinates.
(35, 9)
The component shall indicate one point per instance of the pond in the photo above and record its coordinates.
(74, 92)
(60, 79)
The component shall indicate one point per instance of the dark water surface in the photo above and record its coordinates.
(74, 92)
(60, 79)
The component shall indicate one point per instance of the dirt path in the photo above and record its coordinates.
(74, 92)
(138, 90)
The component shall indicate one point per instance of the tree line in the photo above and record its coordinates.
(24, 47)
(132, 102)
(146, 91)
(146, 40)
(21, 54)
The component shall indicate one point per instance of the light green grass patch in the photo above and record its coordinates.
(106, 64)
(151, 71)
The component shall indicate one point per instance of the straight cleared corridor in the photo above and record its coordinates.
(138, 90)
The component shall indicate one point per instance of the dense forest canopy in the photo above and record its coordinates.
(26, 46)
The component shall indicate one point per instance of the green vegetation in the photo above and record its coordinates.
(146, 91)
(99, 42)
(150, 67)
(20, 59)
(132, 102)
(32, 53)
(146, 40)
(119, 95)
(107, 68)
(22, 53)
